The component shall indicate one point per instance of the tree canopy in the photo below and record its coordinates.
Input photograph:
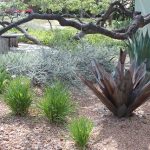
(92, 6)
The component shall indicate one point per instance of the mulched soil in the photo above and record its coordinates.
(34, 132)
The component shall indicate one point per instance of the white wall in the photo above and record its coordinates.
(144, 7)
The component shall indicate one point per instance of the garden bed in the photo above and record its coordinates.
(109, 133)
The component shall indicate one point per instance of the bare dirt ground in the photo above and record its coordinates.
(110, 133)
(43, 24)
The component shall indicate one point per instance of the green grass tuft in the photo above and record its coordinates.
(18, 96)
(56, 104)
(80, 130)
(4, 79)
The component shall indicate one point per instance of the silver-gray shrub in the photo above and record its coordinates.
(47, 65)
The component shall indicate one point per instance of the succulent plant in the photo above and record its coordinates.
(139, 49)
(125, 91)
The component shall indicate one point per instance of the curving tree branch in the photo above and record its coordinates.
(139, 21)
(31, 38)
(114, 7)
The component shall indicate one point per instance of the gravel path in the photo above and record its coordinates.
(29, 47)
(110, 133)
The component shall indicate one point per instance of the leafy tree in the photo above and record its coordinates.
(15, 4)
(92, 6)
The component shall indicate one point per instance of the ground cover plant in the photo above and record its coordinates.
(53, 38)
(56, 104)
(80, 130)
(18, 96)
(63, 38)
(125, 91)
(45, 65)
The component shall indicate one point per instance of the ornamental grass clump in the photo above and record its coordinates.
(4, 79)
(80, 130)
(18, 96)
(125, 91)
(56, 104)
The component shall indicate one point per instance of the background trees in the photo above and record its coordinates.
(59, 8)
(76, 6)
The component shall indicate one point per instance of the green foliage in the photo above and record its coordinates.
(54, 38)
(63, 38)
(54, 5)
(87, 5)
(98, 39)
(80, 130)
(63, 58)
(139, 48)
(4, 79)
(45, 65)
(4, 5)
(56, 104)
(18, 96)
(120, 23)
(17, 4)
(72, 5)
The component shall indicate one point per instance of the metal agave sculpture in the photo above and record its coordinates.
(125, 91)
